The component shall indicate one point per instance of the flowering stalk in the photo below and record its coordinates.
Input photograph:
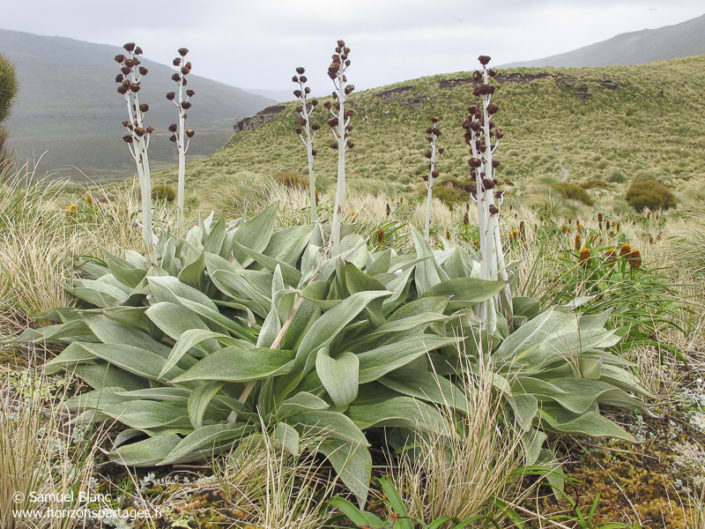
(433, 155)
(480, 137)
(304, 130)
(341, 127)
(179, 135)
(137, 139)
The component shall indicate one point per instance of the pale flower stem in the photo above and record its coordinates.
(181, 149)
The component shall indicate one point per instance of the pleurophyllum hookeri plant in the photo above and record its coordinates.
(307, 131)
(433, 156)
(483, 142)
(179, 131)
(138, 135)
(341, 127)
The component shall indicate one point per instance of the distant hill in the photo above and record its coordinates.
(67, 105)
(669, 42)
(603, 126)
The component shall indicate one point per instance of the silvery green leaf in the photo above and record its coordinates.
(338, 375)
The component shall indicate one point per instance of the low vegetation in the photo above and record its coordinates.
(397, 363)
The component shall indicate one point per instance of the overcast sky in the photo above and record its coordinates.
(259, 43)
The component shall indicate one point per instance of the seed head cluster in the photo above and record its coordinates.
(181, 99)
(129, 82)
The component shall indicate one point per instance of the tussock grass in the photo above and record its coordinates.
(41, 456)
(464, 474)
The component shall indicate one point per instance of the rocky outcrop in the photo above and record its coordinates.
(259, 119)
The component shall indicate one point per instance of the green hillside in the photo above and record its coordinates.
(67, 106)
(668, 42)
(614, 124)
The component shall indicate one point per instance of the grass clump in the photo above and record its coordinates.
(572, 192)
(650, 194)
(291, 180)
(593, 183)
(163, 192)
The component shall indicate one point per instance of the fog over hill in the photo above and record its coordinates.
(67, 107)
(669, 42)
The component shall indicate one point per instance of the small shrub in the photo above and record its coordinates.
(616, 177)
(649, 194)
(163, 192)
(572, 192)
(593, 183)
(291, 180)
(450, 195)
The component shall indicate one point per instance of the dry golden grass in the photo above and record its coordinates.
(43, 460)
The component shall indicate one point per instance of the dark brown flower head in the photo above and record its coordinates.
(484, 60)
(493, 209)
(477, 75)
(473, 109)
(190, 93)
(122, 89)
(190, 133)
(138, 51)
(143, 70)
(173, 127)
(499, 133)
(298, 130)
(350, 144)
(171, 95)
(427, 154)
(495, 163)
(332, 122)
(185, 70)
(129, 63)
(172, 138)
(183, 51)
(176, 61)
(127, 138)
(119, 57)
(294, 79)
(125, 123)
(176, 77)
(125, 70)
(625, 249)
(307, 90)
(435, 132)
(149, 130)
(297, 93)
(349, 89)
(135, 87)
(488, 183)
(144, 107)
(441, 150)
(301, 121)
(327, 105)
(130, 46)
(341, 43)
(314, 152)
(333, 145)
(119, 78)
(492, 109)
(300, 70)
(186, 105)
(492, 72)
(634, 259)
(349, 113)
(434, 119)
(139, 131)
(315, 126)
(474, 162)
(434, 174)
